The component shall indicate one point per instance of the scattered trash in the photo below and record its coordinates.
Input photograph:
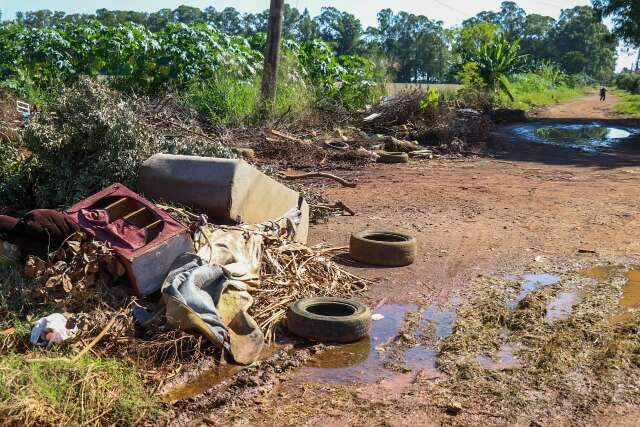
(51, 330)
(454, 408)
(385, 248)
(337, 144)
(377, 316)
(37, 232)
(228, 191)
(9, 253)
(396, 145)
(200, 296)
(329, 319)
(392, 157)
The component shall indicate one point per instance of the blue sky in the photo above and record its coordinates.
(451, 12)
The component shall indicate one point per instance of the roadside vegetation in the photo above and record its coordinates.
(114, 87)
(628, 88)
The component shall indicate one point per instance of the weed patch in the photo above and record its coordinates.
(58, 392)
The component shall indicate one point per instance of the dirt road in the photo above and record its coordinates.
(587, 107)
(525, 208)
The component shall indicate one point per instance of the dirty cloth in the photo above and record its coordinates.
(208, 291)
(124, 234)
(39, 232)
(51, 330)
(238, 249)
(196, 288)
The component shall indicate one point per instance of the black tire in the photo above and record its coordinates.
(337, 145)
(327, 319)
(393, 157)
(386, 248)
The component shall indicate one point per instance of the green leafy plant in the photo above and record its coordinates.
(496, 60)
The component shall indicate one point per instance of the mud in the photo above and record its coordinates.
(526, 208)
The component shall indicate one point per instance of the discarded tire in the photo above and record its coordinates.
(328, 319)
(337, 145)
(386, 248)
(393, 157)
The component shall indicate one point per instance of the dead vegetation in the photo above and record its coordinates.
(571, 369)
(292, 271)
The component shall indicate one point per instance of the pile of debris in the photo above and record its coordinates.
(131, 282)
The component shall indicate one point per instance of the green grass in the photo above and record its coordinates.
(531, 90)
(43, 387)
(230, 102)
(629, 105)
(58, 392)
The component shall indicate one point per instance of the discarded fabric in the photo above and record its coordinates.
(51, 330)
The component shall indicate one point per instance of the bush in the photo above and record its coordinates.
(14, 176)
(629, 82)
(90, 138)
(224, 99)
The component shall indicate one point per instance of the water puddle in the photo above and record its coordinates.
(364, 361)
(201, 383)
(504, 359)
(631, 293)
(443, 320)
(533, 282)
(586, 137)
(361, 361)
(599, 273)
(561, 306)
(630, 300)
(421, 357)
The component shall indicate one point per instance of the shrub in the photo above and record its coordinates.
(629, 82)
(91, 138)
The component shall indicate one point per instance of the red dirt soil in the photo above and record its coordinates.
(523, 208)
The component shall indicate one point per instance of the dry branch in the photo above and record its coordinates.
(342, 181)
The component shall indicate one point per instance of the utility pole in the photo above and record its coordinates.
(272, 51)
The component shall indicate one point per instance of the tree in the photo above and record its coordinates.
(582, 44)
(535, 36)
(416, 46)
(341, 29)
(307, 27)
(626, 18)
(495, 60)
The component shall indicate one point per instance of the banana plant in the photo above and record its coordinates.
(496, 60)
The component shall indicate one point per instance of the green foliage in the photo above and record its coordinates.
(223, 98)
(470, 76)
(551, 72)
(185, 58)
(625, 15)
(58, 392)
(417, 47)
(91, 138)
(351, 81)
(14, 175)
(629, 104)
(629, 82)
(577, 41)
(533, 89)
(493, 62)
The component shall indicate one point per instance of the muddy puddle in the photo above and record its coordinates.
(403, 339)
(532, 282)
(366, 361)
(589, 137)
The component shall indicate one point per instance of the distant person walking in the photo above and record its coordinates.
(603, 93)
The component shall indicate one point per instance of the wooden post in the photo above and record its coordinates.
(272, 51)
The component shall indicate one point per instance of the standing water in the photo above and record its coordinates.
(590, 137)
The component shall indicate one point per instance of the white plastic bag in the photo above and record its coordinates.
(51, 330)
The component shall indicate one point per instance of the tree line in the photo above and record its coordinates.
(412, 48)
